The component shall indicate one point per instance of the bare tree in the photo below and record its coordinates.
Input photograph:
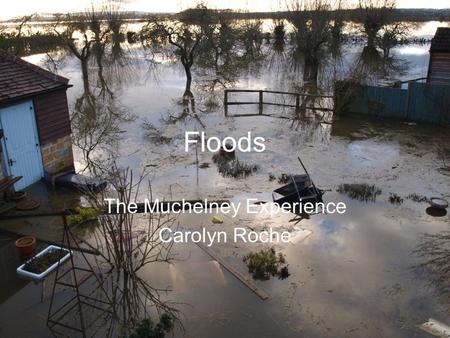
(216, 48)
(251, 36)
(14, 40)
(84, 35)
(97, 121)
(185, 38)
(127, 244)
(391, 36)
(65, 27)
(115, 21)
(311, 21)
(279, 33)
(374, 15)
(337, 28)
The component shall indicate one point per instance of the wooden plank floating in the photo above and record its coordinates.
(31, 214)
(435, 328)
(246, 281)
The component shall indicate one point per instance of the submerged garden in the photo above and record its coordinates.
(140, 81)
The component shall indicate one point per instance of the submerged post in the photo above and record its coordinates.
(260, 102)
(225, 102)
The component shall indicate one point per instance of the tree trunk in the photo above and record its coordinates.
(371, 39)
(85, 75)
(311, 68)
(187, 91)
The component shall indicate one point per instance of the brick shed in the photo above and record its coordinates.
(35, 130)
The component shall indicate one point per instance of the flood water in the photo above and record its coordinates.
(351, 275)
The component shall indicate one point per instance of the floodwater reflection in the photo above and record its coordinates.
(349, 275)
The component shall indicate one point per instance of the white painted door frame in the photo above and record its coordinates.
(20, 143)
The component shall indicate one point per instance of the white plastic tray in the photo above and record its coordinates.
(30, 275)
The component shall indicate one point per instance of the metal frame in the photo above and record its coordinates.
(79, 299)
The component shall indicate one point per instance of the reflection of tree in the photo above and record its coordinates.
(435, 252)
(217, 48)
(97, 122)
(96, 126)
(370, 65)
(129, 247)
(188, 111)
(279, 34)
(309, 119)
(375, 14)
(250, 33)
(98, 115)
(225, 54)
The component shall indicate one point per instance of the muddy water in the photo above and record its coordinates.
(351, 274)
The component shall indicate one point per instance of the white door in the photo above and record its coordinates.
(21, 149)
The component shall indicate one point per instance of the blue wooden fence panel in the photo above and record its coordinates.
(380, 101)
(429, 103)
(420, 102)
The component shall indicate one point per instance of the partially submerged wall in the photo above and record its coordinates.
(57, 155)
(53, 121)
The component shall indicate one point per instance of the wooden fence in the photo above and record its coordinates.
(302, 101)
(420, 102)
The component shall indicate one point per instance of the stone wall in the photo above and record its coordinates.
(57, 156)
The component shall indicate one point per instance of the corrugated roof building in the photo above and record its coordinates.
(439, 65)
(34, 120)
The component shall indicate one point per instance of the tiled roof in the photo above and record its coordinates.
(21, 79)
(441, 40)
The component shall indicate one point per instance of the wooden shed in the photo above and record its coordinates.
(439, 65)
(35, 130)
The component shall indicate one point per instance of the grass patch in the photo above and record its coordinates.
(360, 191)
(266, 263)
(282, 179)
(395, 199)
(82, 215)
(155, 135)
(232, 167)
(417, 198)
(147, 329)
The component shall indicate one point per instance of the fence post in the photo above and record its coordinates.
(225, 102)
(408, 99)
(260, 102)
